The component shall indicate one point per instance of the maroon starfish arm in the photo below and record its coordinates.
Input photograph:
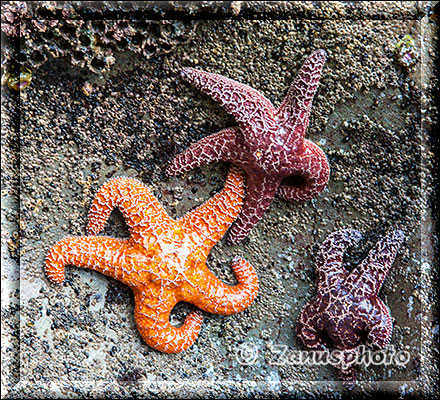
(306, 328)
(252, 111)
(381, 326)
(329, 261)
(294, 111)
(260, 191)
(312, 166)
(369, 276)
(215, 147)
(153, 321)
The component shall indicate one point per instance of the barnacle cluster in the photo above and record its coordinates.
(87, 36)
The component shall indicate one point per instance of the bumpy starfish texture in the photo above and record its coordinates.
(164, 260)
(346, 310)
(268, 144)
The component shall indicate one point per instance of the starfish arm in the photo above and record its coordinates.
(103, 254)
(212, 295)
(218, 146)
(152, 316)
(252, 111)
(260, 192)
(371, 273)
(346, 369)
(294, 111)
(141, 210)
(210, 221)
(312, 166)
(329, 260)
(306, 329)
(381, 328)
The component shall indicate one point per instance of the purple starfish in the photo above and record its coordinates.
(268, 144)
(346, 309)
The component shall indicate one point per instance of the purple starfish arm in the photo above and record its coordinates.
(260, 191)
(294, 111)
(329, 261)
(312, 166)
(216, 147)
(306, 328)
(380, 324)
(346, 370)
(253, 112)
(371, 273)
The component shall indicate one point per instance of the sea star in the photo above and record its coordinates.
(164, 260)
(268, 143)
(346, 310)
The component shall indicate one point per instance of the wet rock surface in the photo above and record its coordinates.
(75, 126)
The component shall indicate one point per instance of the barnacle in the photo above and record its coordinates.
(82, 35)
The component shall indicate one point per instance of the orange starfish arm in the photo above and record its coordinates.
(103, 254)
(211, 220)
(142, 212)
(212, 295)
(152, 316)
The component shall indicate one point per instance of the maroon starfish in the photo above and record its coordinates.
(346, 309)
(268, 144)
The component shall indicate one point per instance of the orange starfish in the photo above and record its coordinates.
(164, 260)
